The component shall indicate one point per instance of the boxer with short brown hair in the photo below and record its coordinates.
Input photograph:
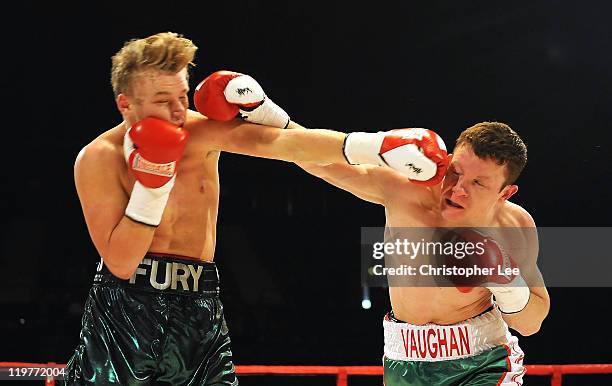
(457, 335)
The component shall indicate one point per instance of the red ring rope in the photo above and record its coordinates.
(342, 372)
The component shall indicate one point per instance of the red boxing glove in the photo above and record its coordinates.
(503, 277)
(209, 98)
(225, 95)
(152, 148)
(420, 154)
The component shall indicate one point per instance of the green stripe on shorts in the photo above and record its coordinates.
(486, 368)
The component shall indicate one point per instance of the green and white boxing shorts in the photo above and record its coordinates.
(477, 351)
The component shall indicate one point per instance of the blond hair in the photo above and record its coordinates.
(166, 51)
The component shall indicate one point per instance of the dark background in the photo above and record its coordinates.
(288, 244)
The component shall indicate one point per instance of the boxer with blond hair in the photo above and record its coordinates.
(149, 190)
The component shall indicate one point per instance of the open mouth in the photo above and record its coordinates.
(449, 202)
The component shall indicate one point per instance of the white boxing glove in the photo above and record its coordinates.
(419, 154)
(224, 95)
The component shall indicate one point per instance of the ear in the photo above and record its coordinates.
(123, 104)
(508, 192)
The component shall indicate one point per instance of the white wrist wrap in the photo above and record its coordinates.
(147, 205)
(364, 148)
(268, 113)
(511, 299)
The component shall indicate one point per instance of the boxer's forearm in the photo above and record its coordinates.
(316, 169)
(297, 145)
(126, 247)
(120, 241)
(295, 125)
(315, 145)
(528, 321)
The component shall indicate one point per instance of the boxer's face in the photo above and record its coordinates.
(156, 94)
(473, 187)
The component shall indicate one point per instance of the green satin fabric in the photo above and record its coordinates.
(485, 369)
(131, 337)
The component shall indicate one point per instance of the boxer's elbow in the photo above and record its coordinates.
(529, 321)
(123, 275)
(121, 271)
(528, 328)
(317, 170)
(526, 324)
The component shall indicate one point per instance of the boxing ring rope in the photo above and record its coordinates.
(342, 373)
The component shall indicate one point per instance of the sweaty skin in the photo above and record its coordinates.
(471, 183)
(188, 225)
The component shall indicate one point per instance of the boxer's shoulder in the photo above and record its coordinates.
(205, 132)
(195, 122)
(409, 204)
(397, 185)
(103, 153)
(516, 216)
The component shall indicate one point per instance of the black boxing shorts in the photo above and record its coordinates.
(163, 326)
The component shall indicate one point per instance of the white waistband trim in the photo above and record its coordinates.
(432, 342)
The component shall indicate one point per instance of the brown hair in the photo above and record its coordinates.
(498, 142)
(166, 51)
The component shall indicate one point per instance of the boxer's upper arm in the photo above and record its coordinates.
(532, 275)
(368, 182)
(100, 191)
(529, 261)
(355, 179)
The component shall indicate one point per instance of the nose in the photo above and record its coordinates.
(177, 110)
(458, 189)
(178, 106)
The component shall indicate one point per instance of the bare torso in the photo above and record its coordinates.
(440, 305)
(188, 226)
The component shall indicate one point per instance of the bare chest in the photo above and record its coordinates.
(188, 224)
